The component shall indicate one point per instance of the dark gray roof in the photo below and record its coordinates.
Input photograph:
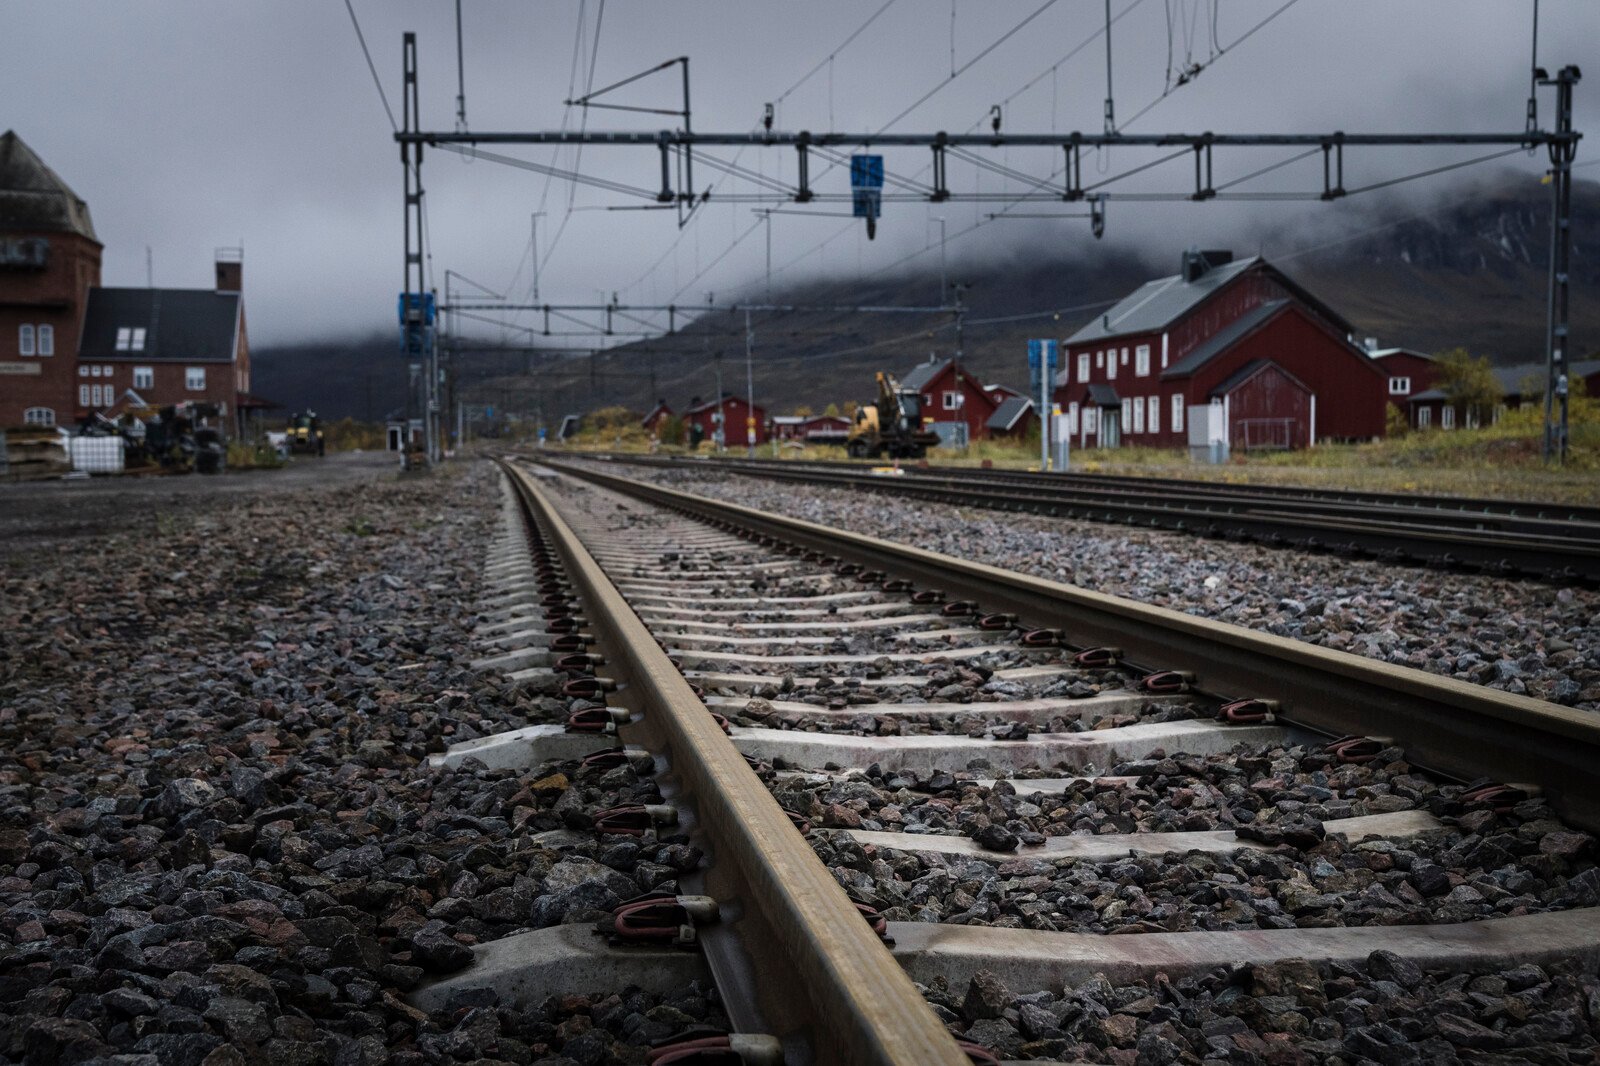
(1157, 304)
(1103, 395)
(1007, 414)
(32, 197)
(1248, 371)
(181, 325)
(1512, 377)
(923, 373)
(1225, 338)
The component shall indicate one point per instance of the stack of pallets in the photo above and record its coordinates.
(33, 453)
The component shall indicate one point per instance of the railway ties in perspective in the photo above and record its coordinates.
(952, 767)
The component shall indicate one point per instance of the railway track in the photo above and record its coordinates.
(1550, 541)
(932, 793)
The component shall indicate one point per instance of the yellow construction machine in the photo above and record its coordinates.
(890, 426)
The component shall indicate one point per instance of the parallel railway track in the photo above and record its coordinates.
(865, 681)
(1546, 540)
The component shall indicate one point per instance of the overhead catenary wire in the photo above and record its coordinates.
(361, 37)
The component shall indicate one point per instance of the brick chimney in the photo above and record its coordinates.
(230, 269)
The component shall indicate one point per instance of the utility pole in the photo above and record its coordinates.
(750, 387)
(944, 283)
(536, 216)
(1557, 346)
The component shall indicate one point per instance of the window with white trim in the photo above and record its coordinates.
(1141, 361)
(124, 338)
(1099, 359)
(1083, 366)
(1399, 386)
(144, 377)
(1424, 417)
(107, 370)
(39, 416)
(1111, 366)
(47, 340)
(952, 401)
(94, 371)
(25, 342)
(194, 378)
(1447, 417)
(138, 339)
(97, 396)
(1138, 415)
(1124, 357)
(83, 396)
(1126, 422)
(1091, 419)
(1072, 417)
(1177, 412)
(1154, 404)
(83, 370)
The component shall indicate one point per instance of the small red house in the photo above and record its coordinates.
(824, 429)
(1014, 418)
(951, 395)
(658, 414)
(1520, 386)
(1196, 338)
(1410, 372)
(736, 414)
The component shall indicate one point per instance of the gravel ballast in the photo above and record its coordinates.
(220, 840)
(1520, 636)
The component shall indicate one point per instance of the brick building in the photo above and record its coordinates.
(1240, 336)
(49, 261)
(154, 347)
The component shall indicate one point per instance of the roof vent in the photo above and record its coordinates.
(1195, 262)
(1372, 344)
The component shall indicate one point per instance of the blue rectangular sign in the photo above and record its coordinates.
(866, 172)
(1041, 361)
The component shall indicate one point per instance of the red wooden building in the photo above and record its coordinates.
(1520, 386)
(658, 414)
(1239, 335)
(952, 396)
(733, 412)
(1410, 373)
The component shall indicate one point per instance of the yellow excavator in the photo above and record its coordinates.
(304, 435)
(890, 426)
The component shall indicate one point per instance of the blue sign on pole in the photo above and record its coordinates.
(866, 172)
(1041, 362)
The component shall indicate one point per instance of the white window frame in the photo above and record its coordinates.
(1447, 417)
(1111, 365)
(951, 400)
(39, 416)
(138, 340)
(1141, 361)
(1177, 412)
(1072, 417)
(83, 396)
(1126, 421)
(25, 346)
(1399, 386)
(144, 377)
(1124, 357)
(94, 371)
(1083, 367)
(1138, 415)
(1424, 417)
(47, 340)
(124, 337)
(108, 370)
(97, 396)
(83, 370)
(194, 378)
(1091, 419)
(1099, 359)
(1153, 420)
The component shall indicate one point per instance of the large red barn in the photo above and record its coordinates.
(1239, 335)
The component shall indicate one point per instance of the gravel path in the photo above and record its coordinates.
(1522, 637)
(219, 842)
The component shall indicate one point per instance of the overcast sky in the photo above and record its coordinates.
(191, 124)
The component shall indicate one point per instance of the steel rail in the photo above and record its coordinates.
(1542, 510)
(1448, 726)
(1409, 538)
(824, 983)
(1086, 488)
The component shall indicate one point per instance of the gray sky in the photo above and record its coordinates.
(191, 124)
